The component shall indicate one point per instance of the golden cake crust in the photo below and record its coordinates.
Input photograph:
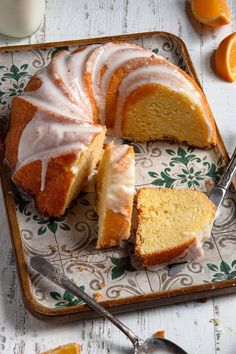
(163, 256)
(88, 78)
(115, 227)
(52, 200)
(22, 111)
(116, 79)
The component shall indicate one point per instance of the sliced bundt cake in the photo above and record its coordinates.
(137, 94)
(171, 222)
(115, 193)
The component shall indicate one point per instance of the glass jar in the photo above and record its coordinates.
(20, 18)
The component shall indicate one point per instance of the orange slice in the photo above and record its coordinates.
(71, 348)
(225, 58)
(211, 12)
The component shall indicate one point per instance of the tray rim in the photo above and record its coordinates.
(190, 293)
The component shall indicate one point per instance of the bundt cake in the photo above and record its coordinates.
(115, 194)
(72, 348)
(172, 222)
(57, 126)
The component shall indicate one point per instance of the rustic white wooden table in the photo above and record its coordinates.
(198, 327)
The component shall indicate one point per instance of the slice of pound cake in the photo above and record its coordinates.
(115, 194)
(172, 223)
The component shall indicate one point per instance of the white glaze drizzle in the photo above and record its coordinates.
(45, 106)
(50, 94)
(44, 173)
(70, 99)
(48, 136)
(162, 74)
(70, 67)
(111, 56)
(203, 234)
(121, 184)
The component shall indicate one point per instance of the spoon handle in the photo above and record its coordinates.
(42, 266)
(229, 172)
(218, 193)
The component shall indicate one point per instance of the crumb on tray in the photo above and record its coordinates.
(160, 334)
(97, 296)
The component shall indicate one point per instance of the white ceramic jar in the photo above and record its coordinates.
(20, 18)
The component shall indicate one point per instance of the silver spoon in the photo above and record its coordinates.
(152, 345)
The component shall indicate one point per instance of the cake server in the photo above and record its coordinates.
(154, 345)
(218, 192)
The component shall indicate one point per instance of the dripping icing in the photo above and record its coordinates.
(121, 183)
(44, 173)
(51, 135)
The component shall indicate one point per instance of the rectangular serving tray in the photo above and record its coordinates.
(115, 276)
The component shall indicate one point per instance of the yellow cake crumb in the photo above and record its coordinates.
(171, 221)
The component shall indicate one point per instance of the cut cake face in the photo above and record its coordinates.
(170, 223)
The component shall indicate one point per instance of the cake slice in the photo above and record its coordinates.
(115, 193)
(171, 223)
(72, 348)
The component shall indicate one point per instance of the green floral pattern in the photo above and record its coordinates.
(223, 271)
(16, 78)
(191, 170)
(66, 299)
(50, 224)
(57, 50)
(122, 265)
(43, 224)
(22, 205)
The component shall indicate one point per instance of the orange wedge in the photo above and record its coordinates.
(211, 12)
(225, 58)
(71, 348)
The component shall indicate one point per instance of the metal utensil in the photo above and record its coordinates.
(218, 192)
(153, 345)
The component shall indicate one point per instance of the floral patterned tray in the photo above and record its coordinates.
(115, 276)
